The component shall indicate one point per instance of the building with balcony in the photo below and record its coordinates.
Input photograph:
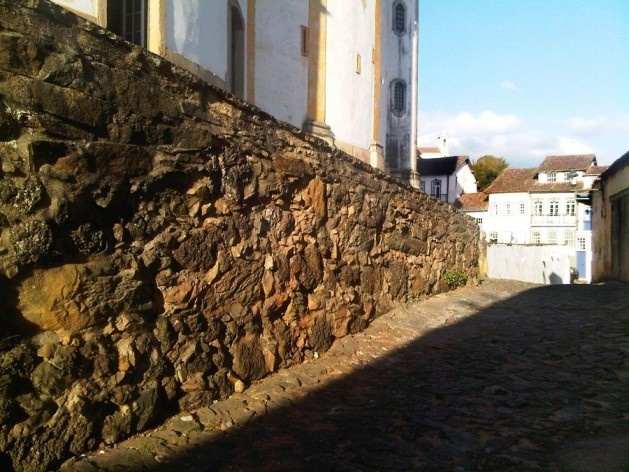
(548, 205)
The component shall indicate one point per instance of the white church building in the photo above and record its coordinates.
(344, 70)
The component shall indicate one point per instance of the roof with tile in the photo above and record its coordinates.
(596, 170)
(441, 165)
(512, 180)
(472, 202)
(565, 163)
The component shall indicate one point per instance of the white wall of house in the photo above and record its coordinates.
(548, 265)
(465, 182)
(508, 218)
(281, 76)
(429, 183)
(480, 217)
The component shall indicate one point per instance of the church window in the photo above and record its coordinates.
(399, 17)
(399, 97)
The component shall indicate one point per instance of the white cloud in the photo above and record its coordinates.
(506, 135)
(507, 85)
(599, 125)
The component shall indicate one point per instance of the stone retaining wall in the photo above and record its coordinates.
(163, 244)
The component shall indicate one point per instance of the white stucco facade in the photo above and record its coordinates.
(508, 219)
(88, 8)
(349, 102)
(446, 178)
(344, 70)
(547, 206)
(193, 27)
(281, 73)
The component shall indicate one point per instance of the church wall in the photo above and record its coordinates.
(281, 70)
(349, 94)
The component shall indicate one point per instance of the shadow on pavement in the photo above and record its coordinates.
(514, 387)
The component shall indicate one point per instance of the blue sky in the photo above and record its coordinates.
(523, 79)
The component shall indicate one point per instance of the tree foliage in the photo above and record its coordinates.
(486, 169)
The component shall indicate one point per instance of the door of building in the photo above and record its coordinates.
(581, 264)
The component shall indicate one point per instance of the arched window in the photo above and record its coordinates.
(398, 102)
(399, 17)
(554, 208)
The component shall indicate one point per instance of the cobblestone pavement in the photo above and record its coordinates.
(504, 376)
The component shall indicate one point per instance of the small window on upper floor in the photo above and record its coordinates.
(398, 102)
(551, 176)
(399, 17)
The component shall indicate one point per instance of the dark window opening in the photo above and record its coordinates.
(399, 97)
(237, 54)
(399, 18)
(127, 18)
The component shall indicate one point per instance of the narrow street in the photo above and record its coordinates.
(503, 376)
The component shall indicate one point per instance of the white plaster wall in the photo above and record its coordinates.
(198, 30)
(466, 182)
(478, 214)
(281, 72)
(349, 95)
(548, 265)
(444, 184)
(514, 228)
(88, 7)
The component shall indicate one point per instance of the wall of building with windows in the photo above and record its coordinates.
(508, 219)
(341, 70)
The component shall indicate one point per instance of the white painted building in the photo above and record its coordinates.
(475, 206)
(446, 178)
(547, 205)
(344, 70)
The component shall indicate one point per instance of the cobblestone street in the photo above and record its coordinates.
(503, 376)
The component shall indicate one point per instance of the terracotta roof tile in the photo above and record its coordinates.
(512, 180)
(564, 163)
(596, 170)
(472, 202)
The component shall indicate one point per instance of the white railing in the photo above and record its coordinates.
(554, 220)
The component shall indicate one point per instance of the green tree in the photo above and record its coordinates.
(486, 169)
